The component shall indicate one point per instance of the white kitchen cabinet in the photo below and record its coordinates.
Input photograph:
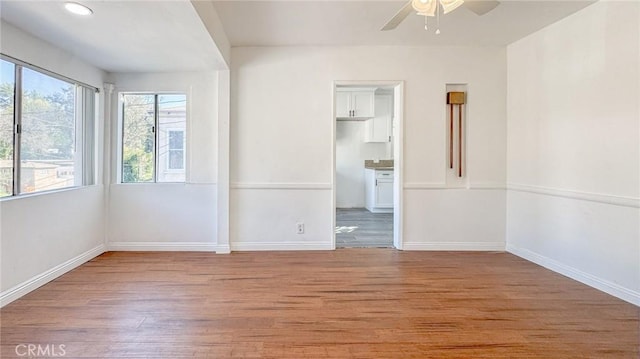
(379, 190)
(343, 108)
(363, 103)
(355, 103)
(384, 193)
(379, 128)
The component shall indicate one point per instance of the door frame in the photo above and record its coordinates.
(398, 149)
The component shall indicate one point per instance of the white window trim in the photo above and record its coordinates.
(119, 141)
(82, 143)
(184, 150)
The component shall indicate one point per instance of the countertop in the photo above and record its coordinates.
(385, 165)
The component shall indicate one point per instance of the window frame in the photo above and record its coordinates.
(183, 149)
(156, 138)
(85, 119)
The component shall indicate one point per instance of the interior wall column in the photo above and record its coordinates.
(222, 210)
(108, 136)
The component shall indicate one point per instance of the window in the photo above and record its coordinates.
(7, 91)
(150, 155)
(46, 130)
(175, 158)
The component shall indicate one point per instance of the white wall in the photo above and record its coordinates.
(211, 20)
(169, 216)
(43, 236)
(351, 152)
(282, 142)
(573, 147)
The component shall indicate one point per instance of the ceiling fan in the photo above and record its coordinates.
(431, 8)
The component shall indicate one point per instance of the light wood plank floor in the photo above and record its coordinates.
(349, 303)
(359, 228)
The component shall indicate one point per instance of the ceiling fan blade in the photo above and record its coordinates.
(398, 18)
(481, 7)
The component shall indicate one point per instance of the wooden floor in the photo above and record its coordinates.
(359, 228)
(349, 303)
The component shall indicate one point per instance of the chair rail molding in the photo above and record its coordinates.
(585, 196)
(282, 185)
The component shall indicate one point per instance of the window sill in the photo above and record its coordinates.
(161, 184)
(147, 183)
(45, 193)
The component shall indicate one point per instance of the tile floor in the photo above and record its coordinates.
(359, 228)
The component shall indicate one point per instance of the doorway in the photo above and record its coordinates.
(367, 162)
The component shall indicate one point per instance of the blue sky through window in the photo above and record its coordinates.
(46, 85)
(6, 72)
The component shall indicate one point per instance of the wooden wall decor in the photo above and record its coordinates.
(453, 99)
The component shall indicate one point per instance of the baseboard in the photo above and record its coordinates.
(41, 279)
(380, 210)
(606, 286)
(454, 246)
(223, 249)
(167, 247)
(276, 246)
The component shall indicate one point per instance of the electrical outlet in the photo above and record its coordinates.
(300, 228)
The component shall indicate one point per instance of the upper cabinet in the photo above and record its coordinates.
(343, 106)
(379, 128)
(352, 103)
(363, 103)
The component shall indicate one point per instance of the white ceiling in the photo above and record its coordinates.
(121, 36)
(348, 22)
(161, 35)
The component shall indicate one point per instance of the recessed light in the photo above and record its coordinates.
(78, 9)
